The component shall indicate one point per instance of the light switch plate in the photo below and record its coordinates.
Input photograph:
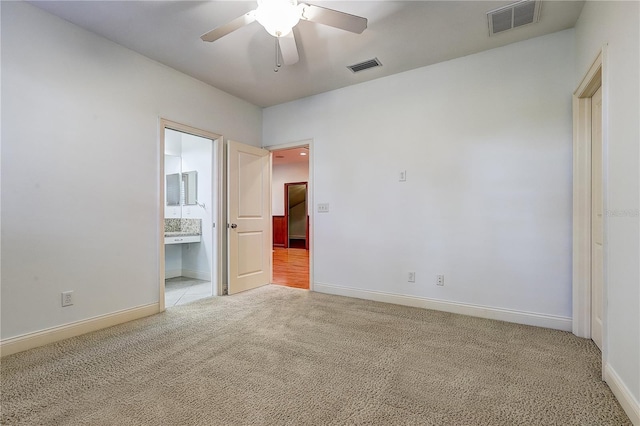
(403, 176)
(323, 207)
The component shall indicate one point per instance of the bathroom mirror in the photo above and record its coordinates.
(190, 187)
(182, 189)
(173, 189)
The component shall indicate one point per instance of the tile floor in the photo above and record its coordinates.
(181, 290)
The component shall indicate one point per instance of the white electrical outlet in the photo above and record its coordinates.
(67, 298)
(403, 176)
(412, 277)
(323, 207)
(440, 280)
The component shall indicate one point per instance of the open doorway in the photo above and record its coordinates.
(190, 208)
(290, 215)
(296, 218)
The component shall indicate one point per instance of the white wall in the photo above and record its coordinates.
(172, 143)
(172, 165)
(173, 260)
(196, 155)
(617, 23)
(80, 167)
(486, 143)
(285, 173)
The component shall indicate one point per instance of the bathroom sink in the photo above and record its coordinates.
(180, 238)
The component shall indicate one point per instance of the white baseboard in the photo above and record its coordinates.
(189, 273)
(198, 275)
(629, 404)
(172, 273)
(54, 334)
(518, 317)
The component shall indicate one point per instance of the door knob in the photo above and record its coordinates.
(234, 226)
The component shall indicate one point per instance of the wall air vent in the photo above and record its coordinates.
(371, 63)
(514, 15)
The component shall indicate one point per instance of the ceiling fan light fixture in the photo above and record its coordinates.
(278, 17)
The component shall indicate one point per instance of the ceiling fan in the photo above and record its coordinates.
(279, 17)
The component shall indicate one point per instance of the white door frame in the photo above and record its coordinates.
(595, 77)
(216, 198)
(310, 192)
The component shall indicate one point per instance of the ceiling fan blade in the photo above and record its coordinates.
(334, 18)
(289, 49)
(229, 27)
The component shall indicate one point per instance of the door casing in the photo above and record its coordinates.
(595, 77)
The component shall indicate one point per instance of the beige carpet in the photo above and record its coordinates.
(280, 356)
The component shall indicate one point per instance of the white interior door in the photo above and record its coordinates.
(249, 216)
(597, 231)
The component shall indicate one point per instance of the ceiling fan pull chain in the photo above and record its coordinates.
(278, 64)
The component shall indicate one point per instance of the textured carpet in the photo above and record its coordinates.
(279, 356)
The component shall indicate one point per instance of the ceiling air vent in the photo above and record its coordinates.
(514, 15)
(371, 63)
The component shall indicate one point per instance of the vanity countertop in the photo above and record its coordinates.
(180, 234)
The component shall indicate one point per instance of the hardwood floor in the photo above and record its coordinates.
(291, 267)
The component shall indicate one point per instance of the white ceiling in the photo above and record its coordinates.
(403, 35)
(289, 156)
